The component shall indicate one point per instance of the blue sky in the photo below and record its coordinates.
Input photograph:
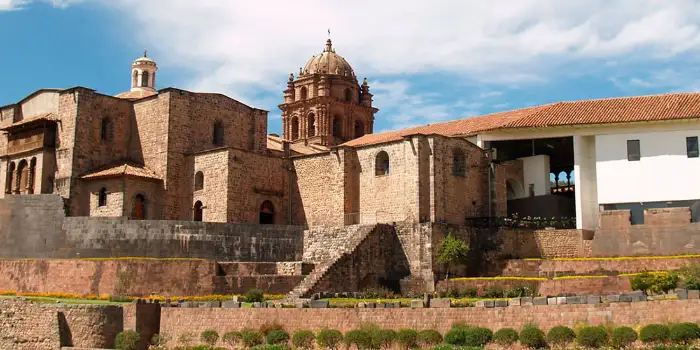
(425, 63)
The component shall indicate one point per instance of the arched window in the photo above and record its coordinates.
(138, 212)
(198, 211)
(218, 134)
(359, 128)
(144, 79)
(106, 129)
(267, 213)
(135, 79)
(348, 95)
(337, 126)
(304, 93)
(102, 197)
(311, 125)
(198, 181)
(23, 174)
(10, 177)
(381, 165)
(32, 173)
(459, 162)
(295, 128)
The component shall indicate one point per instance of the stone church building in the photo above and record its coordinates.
(171, 154)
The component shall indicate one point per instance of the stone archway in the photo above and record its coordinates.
(514, 189)
(267, 213)
(198, 216)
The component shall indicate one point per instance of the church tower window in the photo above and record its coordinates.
(218, 134)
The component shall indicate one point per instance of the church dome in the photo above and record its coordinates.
(328, 62)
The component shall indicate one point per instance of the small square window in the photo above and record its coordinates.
(691, 147)
(633, 150)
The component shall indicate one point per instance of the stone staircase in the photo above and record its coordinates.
(321, 268)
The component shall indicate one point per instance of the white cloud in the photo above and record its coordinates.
(7, 5)
(244, 47)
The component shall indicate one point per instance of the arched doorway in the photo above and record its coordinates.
(267, 213)
(198, 211)
(138, 211)
(514, 190)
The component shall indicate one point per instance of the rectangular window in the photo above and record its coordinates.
(633, 150)
(691, 146)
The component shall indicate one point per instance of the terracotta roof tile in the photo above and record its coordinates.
(135, 95)
(588, 112)
(275, 143)
(31, 119)
(123, 170)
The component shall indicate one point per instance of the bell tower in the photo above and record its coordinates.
(324, 104)
(143, 74)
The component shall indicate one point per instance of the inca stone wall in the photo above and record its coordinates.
(35, 227)
(27, 325)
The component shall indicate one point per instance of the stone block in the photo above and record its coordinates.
(561, 300)
(231, 304)
(397, 305)
(479, 303)
(257, 305)
(526, 301)
(501, 303)
(214, 304)
(360, 305)
(380, 305)
(514, 302)
(440, 303)
(370, 305)
(613, 298)
(489, 304)
(575, 300)
(593, 299)
(694, 294)
(187, 304)
(319, 304)
(552, 301)
(682, 294)
(625, 298)
(539, 301)
(299, 304)
(416, 304)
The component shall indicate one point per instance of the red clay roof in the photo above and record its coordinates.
(122, 170)
(135, 95)
(588, 112)
(275, 143)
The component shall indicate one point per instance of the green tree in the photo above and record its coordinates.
(452, 251)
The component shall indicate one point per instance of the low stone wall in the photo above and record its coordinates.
(551, 287)
(35, 227)
(28, 325)
(178, 321)
(110, 277)
(272, 284)
(284, 268)
(610, 267)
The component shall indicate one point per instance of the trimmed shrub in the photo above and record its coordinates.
(684, 333)
(623, 337)
(455, 336)
(254, 296)
(277, 337)
(232, 338)
(266, 328)
(303, 339)
(429, 337)
(159, 341)
(654, 283)
(532, 337)
(654, 333)
(407, 338)
(251, 338)
(127, 340)
(505, 337)
(209, 337)
(592, 337)
(382, 338)
(477, 336)
(560, 336)
(329, 338)
(360, 338)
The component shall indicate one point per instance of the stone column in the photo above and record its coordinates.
(586, 191)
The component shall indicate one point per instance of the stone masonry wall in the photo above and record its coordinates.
(177, 321)
(27, 326)
(88, 326)
(320, 182)
(109, 277)
(552, 268)
(35, 227)
(546, 288)
(666, 231)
